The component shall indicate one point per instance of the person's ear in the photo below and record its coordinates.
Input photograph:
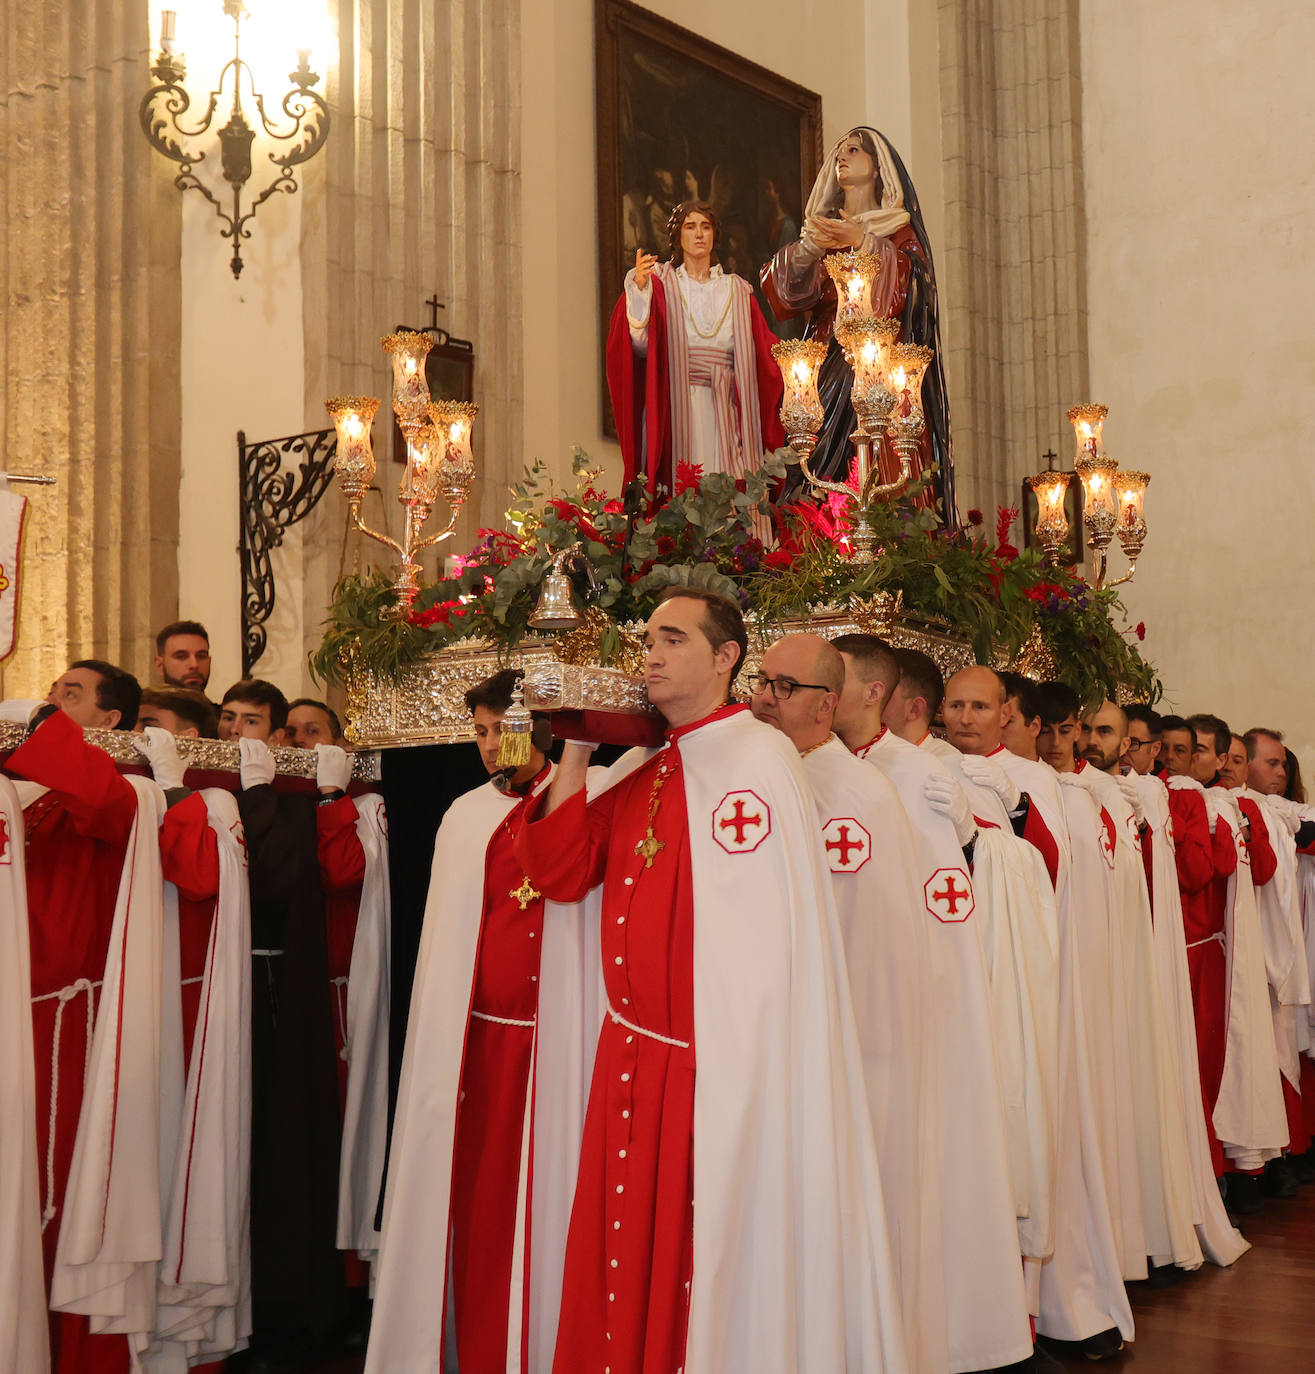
(276, 738)
(112, 719)
(189, 732)
(725, 656)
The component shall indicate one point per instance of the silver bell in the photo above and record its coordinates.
(556, 610)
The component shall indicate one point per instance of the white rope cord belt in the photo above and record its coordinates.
(501, 1020)
(1218, 935)
(339, 986)
(620, 1020)
(64, 996)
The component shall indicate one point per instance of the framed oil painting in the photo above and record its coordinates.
(680, 118)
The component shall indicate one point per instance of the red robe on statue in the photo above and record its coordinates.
(77, 835)
(640, 388)
(629, 1255)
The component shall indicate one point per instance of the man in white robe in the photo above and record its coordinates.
(1081, 1295)
(1147, 823)
(986, 1304)
(869, 849)
(512, 1300)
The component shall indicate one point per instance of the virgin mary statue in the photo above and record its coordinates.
(863, 198)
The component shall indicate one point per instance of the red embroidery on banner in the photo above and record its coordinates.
(848, 844)
(741, 822)
(949, 895)
(4, 842)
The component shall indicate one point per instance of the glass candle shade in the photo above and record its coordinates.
(1088, 423)
(353, 457)
(867, 350)
(800, 360)
(455, 419)
(907, 365)
(855, 274)
(1098, 507)
(408, 351)
(1130, 499)
(1050, 489)
(425, 450)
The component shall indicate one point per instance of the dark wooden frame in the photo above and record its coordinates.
(611, 19)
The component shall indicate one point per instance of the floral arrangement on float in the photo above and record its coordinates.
(1012, 606)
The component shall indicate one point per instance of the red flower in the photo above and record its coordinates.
(778, 558)
(1140, 630)
(1043, 591)
(975, 517)
(444, 613)
(688, 477)
(1004, 522)
(614, 508)
(665, 545)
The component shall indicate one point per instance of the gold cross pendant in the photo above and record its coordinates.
(525, 893)
(649, 847)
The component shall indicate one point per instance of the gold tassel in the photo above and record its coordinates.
(516, 745)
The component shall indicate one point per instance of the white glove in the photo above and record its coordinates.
(987, 774)
(1288, 813)
(1132, 795)
(333, 768)
(947, 798)
(20, 710)
(257, 764)
(157, 747)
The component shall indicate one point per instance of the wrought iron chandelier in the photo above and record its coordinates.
(165, 105)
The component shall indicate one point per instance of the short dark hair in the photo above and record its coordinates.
(676, 223)
(1023, 690)
(494, 693)
(117, 690)
(179, 627)
(334, 723)
(875, 660)
(1149, 717)
(920, 676)
(1252, 735)
(1168, 723)
(1203, 723)
(1057, 701)
(257, 692)
(722, 621)
(186, 704)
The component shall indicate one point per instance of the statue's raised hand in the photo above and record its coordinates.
(644, 264)
(844, 232)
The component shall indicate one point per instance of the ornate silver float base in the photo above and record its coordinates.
(429, 706)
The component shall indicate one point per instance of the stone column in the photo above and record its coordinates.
(417, 192)
(1013, 268)
(89, 344)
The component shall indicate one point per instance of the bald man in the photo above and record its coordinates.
(974, 710)
(869, 850)
(986, 1306)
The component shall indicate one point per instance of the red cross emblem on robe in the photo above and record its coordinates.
(1133, 831)
(741, 822)
(949, 895)
(240, 835)
(1168, 830)
(1243, 853)
(848, 845)
(4, 842)
(1107, 840)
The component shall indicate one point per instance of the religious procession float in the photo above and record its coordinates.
(809, 480)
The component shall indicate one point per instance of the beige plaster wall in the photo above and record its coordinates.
(1201, 213)
(872, 61)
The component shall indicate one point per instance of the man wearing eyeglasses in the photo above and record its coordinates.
(1143, 752)
(869, 849)
(719, 939)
